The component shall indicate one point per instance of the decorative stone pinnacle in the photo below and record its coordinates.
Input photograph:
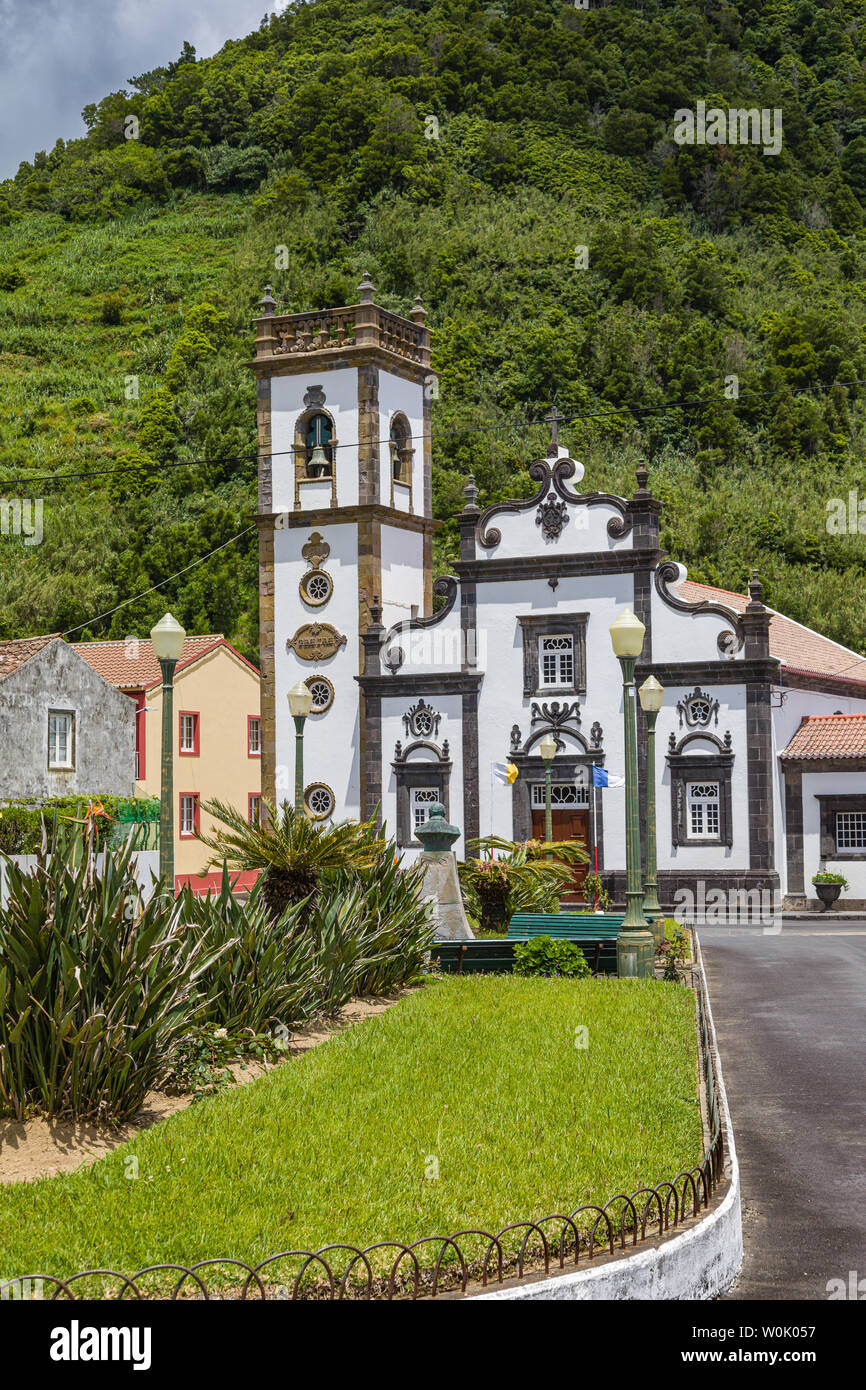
(470, 492)
(267, 303)
(756, 588)
(418, 313)
(365, 289)
(642, 475)
(375, 613)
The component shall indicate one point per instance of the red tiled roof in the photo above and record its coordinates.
(15, 652)
(129, 663)
(796, 646)
(829, 736)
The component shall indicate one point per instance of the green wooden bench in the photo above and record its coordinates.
(573, 926)
(495, 955)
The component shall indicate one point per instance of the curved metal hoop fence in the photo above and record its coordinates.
(433, 1264)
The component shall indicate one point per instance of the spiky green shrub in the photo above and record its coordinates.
(371, 931)
(295, 853)
(95, 987)
(265, 972)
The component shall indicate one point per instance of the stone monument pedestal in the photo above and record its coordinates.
(441, 883)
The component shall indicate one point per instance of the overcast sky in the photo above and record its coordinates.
(58, 55)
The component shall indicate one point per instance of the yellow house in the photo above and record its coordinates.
(217, 734)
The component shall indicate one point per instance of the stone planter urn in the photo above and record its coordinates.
(828, 893)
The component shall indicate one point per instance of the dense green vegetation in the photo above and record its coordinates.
(320, 1152)
(144, 257)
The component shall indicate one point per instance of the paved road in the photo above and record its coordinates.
(790, 1013)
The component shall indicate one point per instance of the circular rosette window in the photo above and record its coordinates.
(319, 801)
(316, 588)
(322, 692)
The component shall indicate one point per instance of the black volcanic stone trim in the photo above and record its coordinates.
(555, 566)
(471, 813)
(422, 683)
(760, 777)
(794, 831)
(709, 672)
(371, 766)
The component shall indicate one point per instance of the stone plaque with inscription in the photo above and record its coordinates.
(316, 642)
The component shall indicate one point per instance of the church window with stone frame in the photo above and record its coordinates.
(703, 820)
(556, 661)
(317, 440)
(421, 799)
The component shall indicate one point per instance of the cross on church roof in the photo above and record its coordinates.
(554, 418)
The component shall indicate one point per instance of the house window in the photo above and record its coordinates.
(421, 799)
(254, 808)
(188, 819)
(556, 660)
(851, 830)
(61, 739)
(320, 455)
(703, 811)
(188, 721)
(254, 736)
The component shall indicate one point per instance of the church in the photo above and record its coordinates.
(420, 687)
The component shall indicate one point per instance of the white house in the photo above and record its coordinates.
(412, 705)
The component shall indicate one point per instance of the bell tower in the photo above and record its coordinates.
(345, 523)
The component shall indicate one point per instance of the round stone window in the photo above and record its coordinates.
(316, 588)
(322, 692)
(319, 801)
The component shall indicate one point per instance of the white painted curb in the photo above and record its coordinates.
(700, 1263)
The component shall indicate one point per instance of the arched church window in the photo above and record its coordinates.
(401, 450)
(320, 460)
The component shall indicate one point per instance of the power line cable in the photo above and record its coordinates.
(505, 423)
(162, 582)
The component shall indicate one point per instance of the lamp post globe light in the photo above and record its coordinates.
(651, 696)
(300, 699)
(167, 638)
(635, 945)
(547, 749)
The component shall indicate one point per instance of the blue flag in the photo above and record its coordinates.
(602, 778)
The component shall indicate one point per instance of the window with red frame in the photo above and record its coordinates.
(188, 817)
(254, 736)
(188, 729)
(254, 813)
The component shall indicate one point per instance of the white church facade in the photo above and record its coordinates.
(761, 741)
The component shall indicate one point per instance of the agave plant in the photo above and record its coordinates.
(94, 986)
(295, 853)
(524, 877)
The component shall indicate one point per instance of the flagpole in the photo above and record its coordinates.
(592, 816)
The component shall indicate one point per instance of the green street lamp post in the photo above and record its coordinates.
(635, 945)
(651, 695)
(167, 638)
(300, 703)
(547, 749)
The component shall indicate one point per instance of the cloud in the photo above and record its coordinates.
(58, 55)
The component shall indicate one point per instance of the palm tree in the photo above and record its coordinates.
(295, 853)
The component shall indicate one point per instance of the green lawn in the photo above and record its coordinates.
(480, 1074)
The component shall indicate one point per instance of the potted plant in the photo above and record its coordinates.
(828, 887)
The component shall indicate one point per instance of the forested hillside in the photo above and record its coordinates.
(466, 153)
